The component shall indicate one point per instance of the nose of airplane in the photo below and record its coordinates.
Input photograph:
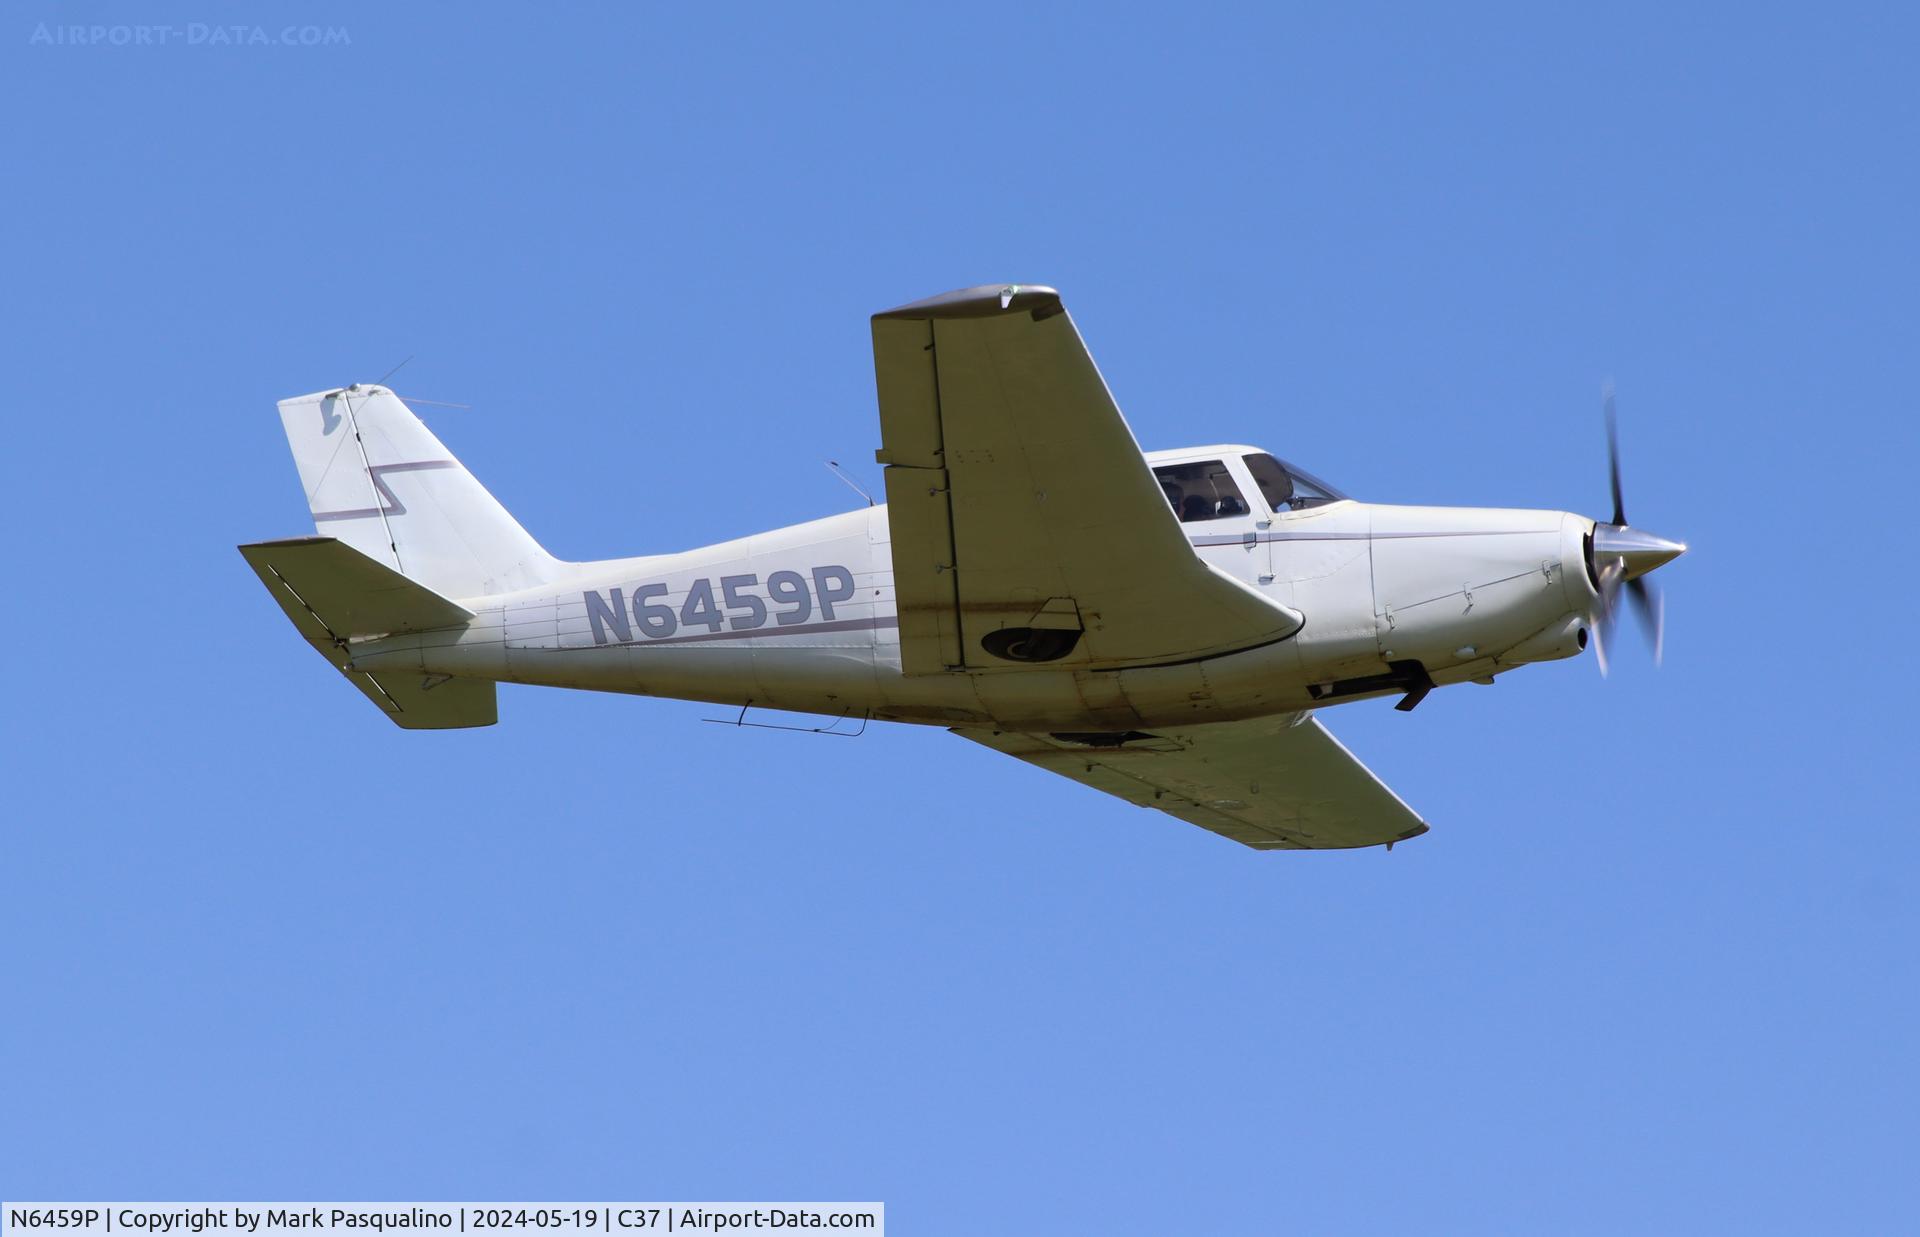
(1638, 551)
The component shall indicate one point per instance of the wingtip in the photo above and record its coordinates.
(1414, 832)
(984, 301)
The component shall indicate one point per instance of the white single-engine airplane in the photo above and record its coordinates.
(1160, 627)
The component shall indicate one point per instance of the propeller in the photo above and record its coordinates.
(1621, 558)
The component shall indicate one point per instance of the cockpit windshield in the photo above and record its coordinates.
(1286, 488)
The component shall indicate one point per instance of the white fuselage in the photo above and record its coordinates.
(803, 618)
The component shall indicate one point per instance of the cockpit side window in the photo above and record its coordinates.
(1286, 488)
(1203, 491)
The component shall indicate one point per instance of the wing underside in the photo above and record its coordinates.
(1026, 525)
(1279, 783)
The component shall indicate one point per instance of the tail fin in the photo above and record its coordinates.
(377, 479)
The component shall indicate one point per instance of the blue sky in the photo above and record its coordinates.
(1652, 970)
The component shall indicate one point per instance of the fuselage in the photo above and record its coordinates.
(803, 618)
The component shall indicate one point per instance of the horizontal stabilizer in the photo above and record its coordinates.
(334, 594)
(347, 592)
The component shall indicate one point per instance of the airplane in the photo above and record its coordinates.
(1163, 627)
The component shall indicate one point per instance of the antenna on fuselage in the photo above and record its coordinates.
(833, 466)
(831, 729)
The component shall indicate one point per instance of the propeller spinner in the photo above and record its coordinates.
(1621, 557)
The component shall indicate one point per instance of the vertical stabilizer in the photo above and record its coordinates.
(378, 480)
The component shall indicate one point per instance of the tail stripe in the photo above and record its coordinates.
(390, 503)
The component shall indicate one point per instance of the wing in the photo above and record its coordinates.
(1027, 527)
(1278, 783)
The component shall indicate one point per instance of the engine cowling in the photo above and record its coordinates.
(1563, 638)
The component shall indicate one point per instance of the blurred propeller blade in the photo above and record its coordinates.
(1606, 611)
(1652, 609)
(1613, 458)
(1621, 555)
